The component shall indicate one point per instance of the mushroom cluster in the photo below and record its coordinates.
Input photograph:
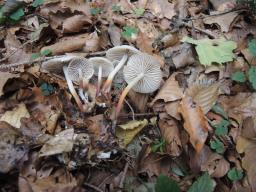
(141, 72)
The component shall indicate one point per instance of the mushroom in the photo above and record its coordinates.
(120, 53)
(143, 75)
(102, 68)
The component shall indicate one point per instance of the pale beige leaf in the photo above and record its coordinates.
(162, 8)
(130, 130)
(204, 94)
(170, 91)
(194, 122)
(13, 117)
(75, 23)
(4, 76)
(170, 132)
(62, 142)
(172, 109)
(92, 44)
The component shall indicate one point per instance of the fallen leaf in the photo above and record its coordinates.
(11, 149)
(161, 8)
(62, 142)
(68, 44)
(170, 91)
(4, 76)
(216, 50)
(172, 109)
(249, 128)
(92, 44)
(139, 100)
(128, 131)
(194, 123)
(114, 34)
(204, 93)
(75, 23)
(224, 20)
(170, 132)
(14, 116)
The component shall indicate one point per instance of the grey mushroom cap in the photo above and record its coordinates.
(107, 66)
(117, 52)
(55, 65)
(149, 66)
(80, 64)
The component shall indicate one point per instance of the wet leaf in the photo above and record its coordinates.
(235, 175)
(165, 184)
(238, 76)
(194, 123)
(213, 51)
(203, 184)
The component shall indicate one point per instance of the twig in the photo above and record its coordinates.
(121, 184)
(130, 108)
(136, 115)
(93, 187)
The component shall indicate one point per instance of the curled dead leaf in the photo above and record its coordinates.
(194, 122)
(75, 23)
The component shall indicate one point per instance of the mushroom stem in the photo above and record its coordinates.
(99, 79)
(72, 89)
(107, 84)
(125, 92)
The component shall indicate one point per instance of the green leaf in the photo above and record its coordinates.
(234, 174)
(158, 145)
(219, 110)
(35, 56)
(37, 3)
(202, 184)
(116, 8)
(177, 170)
(252, 76)
(46, 52)
(217, 146)
(17, 15)
(47, 89)
(129, 32)
(222, 127)
(139, 11)
(95, 11)
(252, 47)
(238, 76)
(213, 51)
(165, 184)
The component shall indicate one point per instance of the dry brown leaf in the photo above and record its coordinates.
(248, 56)
(92, 44)
(224, 21)
(4, 76)
(14, 116)
(76, 5)
(194, 123)
(75, 23)
(204, 94)
(12, 151)
(139, 100)
(161, 8)
(170, 91)
(170, 132)
(68, 44)
(62, 142)
(172, 108)
(249, 128)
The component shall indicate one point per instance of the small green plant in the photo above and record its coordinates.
(139, 11)
(37, 3)
(41, 54)
(158, 145)
(239, 77)
(242, 77)
(217, 146)
(219, 110)
(235, 175)
(165, 184)
(221, 128)
(116, 8)
(202, 184)
(47, 89)
(129, 32)
(95, 11)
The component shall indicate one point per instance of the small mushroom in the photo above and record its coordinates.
(102, 68)
(121, 54)
(143, 75)
(80, 70)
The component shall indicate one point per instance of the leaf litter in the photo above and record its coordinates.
(195, 132)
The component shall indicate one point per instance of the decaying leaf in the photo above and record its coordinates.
(14, 116)
(162, 8)
(92, 44)
(62, 142)
(216, 50)
(4, 76)
(204, 93)
(75, 23)
(170, 132)
(194, 122)
(170, 91)
(128, 131)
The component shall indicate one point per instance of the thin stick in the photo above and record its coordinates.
(130, 108)
(121, 184)
(93, 187)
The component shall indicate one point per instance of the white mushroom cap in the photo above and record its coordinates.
(143, 64)
(80, 64)
(107, 66)
(55, 65)
(117, 52)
